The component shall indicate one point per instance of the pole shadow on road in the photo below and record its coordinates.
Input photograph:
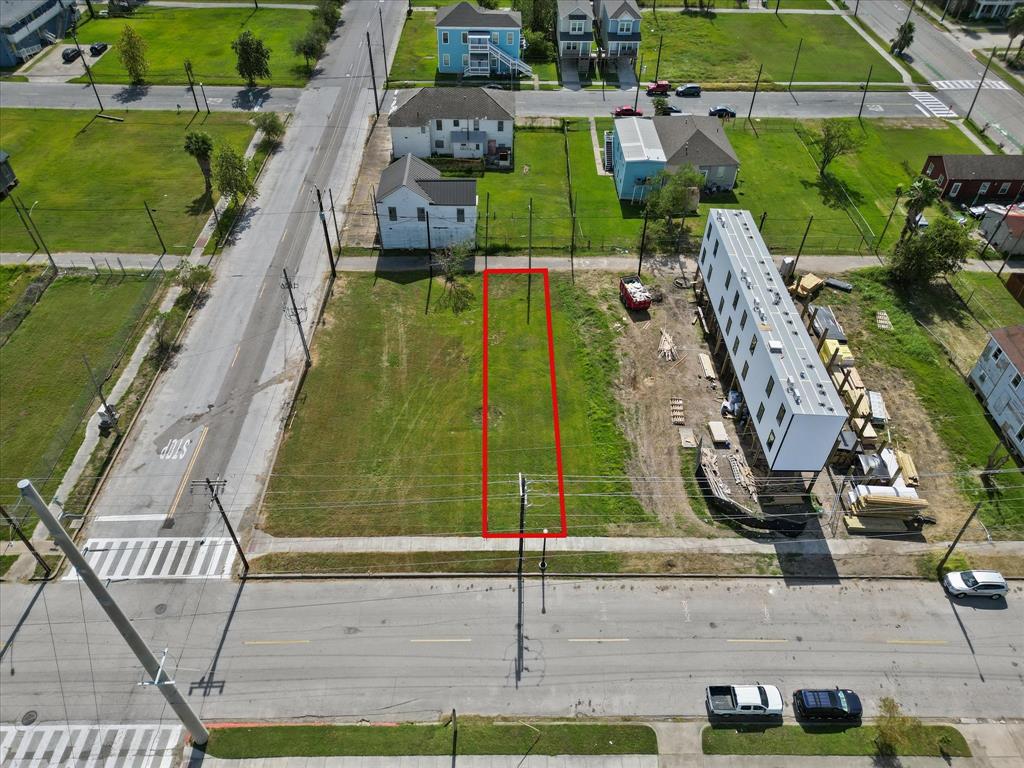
(209, 683)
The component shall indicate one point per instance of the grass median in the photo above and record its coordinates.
(476, 736)
(830, 740)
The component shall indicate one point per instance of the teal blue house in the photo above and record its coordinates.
(479, 42)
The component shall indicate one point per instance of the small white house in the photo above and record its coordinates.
(418, 209)
(997, 379)
(1004, 229)
(794, 408)
(455, 122)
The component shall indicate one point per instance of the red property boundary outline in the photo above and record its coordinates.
(564, 532)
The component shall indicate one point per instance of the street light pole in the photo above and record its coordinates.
(88, 70)
(980, 83)
(154, 668)
(544, 553)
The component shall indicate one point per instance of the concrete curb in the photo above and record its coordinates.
(572, 576)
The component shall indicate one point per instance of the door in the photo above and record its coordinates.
(492, 146)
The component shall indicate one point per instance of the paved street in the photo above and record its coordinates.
(115, 97)
(938, 57)
(412, 649)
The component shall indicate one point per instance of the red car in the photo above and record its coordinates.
(660, 88)
(627, 112)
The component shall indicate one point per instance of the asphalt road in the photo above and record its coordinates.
(394, 650)
(938, 57)
(115, 97)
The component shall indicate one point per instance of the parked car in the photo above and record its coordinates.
(627, 112)
(975, 584)
(97, 48)
(722, 111)
(669, 109)
(976, 211)
(690, 89)
(744, 700)
(69, 54)
(834, 704)
(660, 88)
(496, 87)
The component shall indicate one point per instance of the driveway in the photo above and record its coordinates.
(49, 67)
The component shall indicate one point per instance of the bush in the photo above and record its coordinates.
(539, 47)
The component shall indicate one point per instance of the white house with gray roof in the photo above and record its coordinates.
(419, 209)
(454, 122)
(794, 408)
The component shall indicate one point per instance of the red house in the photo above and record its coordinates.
(976, 179)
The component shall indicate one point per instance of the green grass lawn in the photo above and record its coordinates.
(90, 178)
(539, 174)
(14, 279)
(728, 48)
(778, 174)
(955, 414)
(930, 740)
(476, 736)
(398, 374)
(45, 391)
(416, 57)
(203, 35)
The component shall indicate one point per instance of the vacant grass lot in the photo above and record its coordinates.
(954, 413)
(476, 737)
(386, 439)
(728, 48)
(14, 279)
(90, 178)
(203, 35)
(931, 740)
(44, 386)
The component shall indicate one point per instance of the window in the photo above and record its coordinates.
(929, 169)
(983, 189)
(703, 253)
(770, 441)
(465, 38)
(575, 27)
(1016, 381)
(510, 38)
(711, 269)
(455, 123)
(707, 233)
(753, 344)
(746, 367)
(735, 299)
(728, 280)
(1020, 433)
(501, 126)
(780, 415)
(460, 215)
(736, 345)
(721, 303)
(997, 353)
(439, 143)
(728, 327)
(444, 38)
(437, 125)
(954, 190)
(1004, 188)
(392, 213)
(771, 386)
(423, 129)
(476, 124)
(421, 214)
(495, 35)
(465, 63)
(743, 319)
(760, 411)
(714, 252)
(446, 61)
(941, 179)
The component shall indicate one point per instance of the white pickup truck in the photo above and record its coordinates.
(745, 700)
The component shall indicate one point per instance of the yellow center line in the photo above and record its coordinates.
(916, 642)
(755, 640)
(188, 471)
(275, 642)
(598, 640)
(443, 640)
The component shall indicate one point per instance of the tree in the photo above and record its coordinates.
(311, 45)
(328, 12)
(199, 144)
(231, 173)
(253, 57)
(835, 139)
(270, 125)
(661, 106)
(671, 197)
(1015, 27)
(922, 193)
(192, 277)
(131, 50)
(895, 729)
(492, 4)
(941, 249)
(904, 37)
(539, 47)
(452, 262)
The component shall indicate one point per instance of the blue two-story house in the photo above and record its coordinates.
(478, 42)
(618, 23)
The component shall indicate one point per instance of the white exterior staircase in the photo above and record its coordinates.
(494, 52)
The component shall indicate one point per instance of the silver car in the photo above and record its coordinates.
(975, 584)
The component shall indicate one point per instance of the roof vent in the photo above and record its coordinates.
(775, 347)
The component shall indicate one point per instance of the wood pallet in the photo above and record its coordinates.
(675, 406)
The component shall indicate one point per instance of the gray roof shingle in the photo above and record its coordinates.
(467, 15)
(617, 9)
(984, 167)
(425, 104)
(424, 179)
(694, 140)
(575, 7)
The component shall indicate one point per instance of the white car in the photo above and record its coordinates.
(975, 584)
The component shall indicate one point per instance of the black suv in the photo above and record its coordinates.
(833, 704)
(70, 54)
(97, 48)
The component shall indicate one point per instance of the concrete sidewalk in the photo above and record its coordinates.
(468, 761)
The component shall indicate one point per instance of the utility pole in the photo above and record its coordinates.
(572, 246)
(39, 235)
(430, 245)
(777, 4)
(757, 84)
(99, 393)
(657, 66)
(910, 10)
(638, 71)
(864, 96)
(337, 232)
(856, 8)
(955, 541)
(643, 242)
(899, 193)
(373, 75)
(519, 574)
(327, 237)
(191, 83)
(802, 241)
(215, 499)
(980, 83)
(154, 669)
(383, 45)
(298, 318)
(153, 222)
(88, 69)
(944, 11)
(13, 525)
(796, 61)
(544, 552)
(206, 101)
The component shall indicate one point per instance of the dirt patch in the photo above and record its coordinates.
(360, 226)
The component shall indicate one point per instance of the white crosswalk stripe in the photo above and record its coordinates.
(159, 558)
(991, 83)
(90, 746)
(930, 105)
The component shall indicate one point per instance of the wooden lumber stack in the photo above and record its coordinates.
(908, 470)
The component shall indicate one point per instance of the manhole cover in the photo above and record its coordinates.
(29, 717)
(160, 609)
